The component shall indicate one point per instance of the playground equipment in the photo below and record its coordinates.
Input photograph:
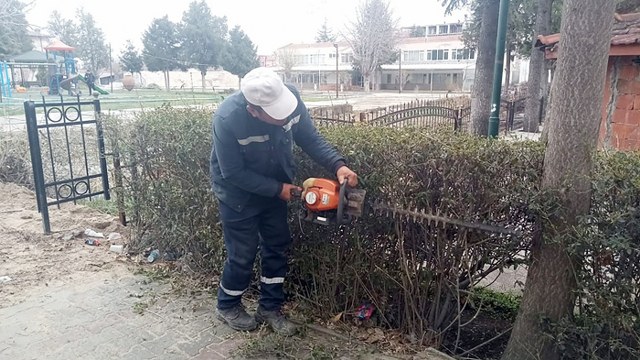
(5, 80)
(63, 75)
(67, 83)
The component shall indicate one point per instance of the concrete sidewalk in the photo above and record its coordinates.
(114, 315)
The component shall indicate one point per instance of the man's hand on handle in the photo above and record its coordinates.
(346, 173)
(288, 191)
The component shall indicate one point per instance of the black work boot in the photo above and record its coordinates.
(277, 321)
(237, 318)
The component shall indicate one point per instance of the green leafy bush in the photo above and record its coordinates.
(166, 154)
(607, 321)
(419, 276)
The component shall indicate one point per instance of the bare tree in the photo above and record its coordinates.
(11, 11)
(572, 141)
(285, 57)
(373, 38)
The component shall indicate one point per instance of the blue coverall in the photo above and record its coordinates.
(250, 161)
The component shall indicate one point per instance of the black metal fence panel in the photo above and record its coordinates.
(66, 142)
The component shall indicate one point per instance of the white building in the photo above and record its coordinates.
(314, 66)
(437, 61)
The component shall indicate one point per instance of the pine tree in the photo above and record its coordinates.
(325, 34)
(131, 59)
(13, 25)
(91, 46)
(160, 47)
(63, 29)
(241, 55)
(202, 37)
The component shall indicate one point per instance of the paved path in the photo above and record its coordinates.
(114, 315)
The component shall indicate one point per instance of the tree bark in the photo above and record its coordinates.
(507, 68)
(166, 84)
(204, 84)
(537, 69)
(549, 71)
(578, 90)
(481, 92)
(367, 83)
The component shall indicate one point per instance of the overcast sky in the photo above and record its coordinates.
(269, 23)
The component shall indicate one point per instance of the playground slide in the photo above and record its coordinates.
(95, 87)
(67, 82)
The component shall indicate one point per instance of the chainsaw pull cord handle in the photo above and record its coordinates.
(342, 203)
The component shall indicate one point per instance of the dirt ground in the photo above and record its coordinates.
(30, 260)
(55, 289)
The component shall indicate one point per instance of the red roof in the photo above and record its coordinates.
(57, 45)
(626, 31)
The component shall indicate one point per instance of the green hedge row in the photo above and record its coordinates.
(417, 275)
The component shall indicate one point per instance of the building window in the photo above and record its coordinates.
(433, 30)
(413, 56)
(301, 59)
(316, 59)
(332, 55)
(463, 54)
(455, 28)
(439, 55)
(444, 29)
(346, 58)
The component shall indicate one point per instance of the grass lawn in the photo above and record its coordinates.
(136, 99)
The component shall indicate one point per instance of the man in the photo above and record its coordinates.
(90, 79)
(252, 169)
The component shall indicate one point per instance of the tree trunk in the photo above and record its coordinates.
(165, 73)
(204, 84)
(546, 116)
(537, 69)
(481, 92)
(367, 83)
(507, 68)
(576, 110)
(612, 101)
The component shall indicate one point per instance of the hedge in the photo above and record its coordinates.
(417, 275)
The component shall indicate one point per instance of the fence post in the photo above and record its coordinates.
(512, 113)
(101, 150)
(458, 120)
(117, 172)
(36, 163)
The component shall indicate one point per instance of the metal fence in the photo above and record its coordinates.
(453, 113)
(66, 144)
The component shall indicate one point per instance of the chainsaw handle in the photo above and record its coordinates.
(295, 193)
(342, 204)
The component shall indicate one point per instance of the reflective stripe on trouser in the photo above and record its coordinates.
(264, 224)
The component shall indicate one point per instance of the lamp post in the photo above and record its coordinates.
(494, 119)
(400, 80)
(337, 85)
(110, 69)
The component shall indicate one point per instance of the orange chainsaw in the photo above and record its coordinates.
(328, 202)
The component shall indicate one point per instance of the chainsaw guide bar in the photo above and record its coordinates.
(436, 219)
